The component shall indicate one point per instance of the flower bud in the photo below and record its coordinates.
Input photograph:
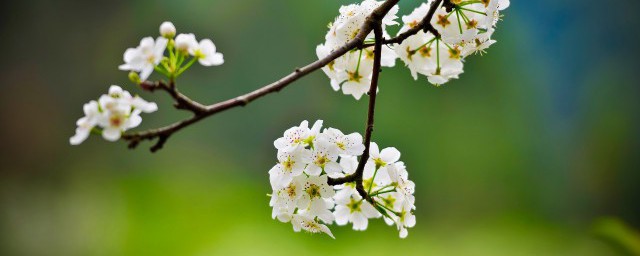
(134, 77)
(167, 30)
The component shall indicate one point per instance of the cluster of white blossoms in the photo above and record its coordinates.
(308, 157)
(465, 30)
(352, 71)
(111, 115)
(150, 54)
(118, 111)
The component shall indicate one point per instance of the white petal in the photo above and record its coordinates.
(390, 155)
(111, 134)
(81, 135)
(359, 221)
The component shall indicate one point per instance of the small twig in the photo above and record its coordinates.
(424, 25)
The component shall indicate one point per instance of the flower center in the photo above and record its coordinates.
(354, 206)
(443, 21)
(313, 190)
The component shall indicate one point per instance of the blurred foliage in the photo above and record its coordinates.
(518, 157)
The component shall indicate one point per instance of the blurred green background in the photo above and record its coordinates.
(534, 151)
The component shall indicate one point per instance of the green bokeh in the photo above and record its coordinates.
(500, 168)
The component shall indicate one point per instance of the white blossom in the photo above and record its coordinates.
(113, 113)
(304, 222)
(350, 144)
(355, 210)
(145, 57)
(298, 136)
(289, 165)
(206, 53)
(186, 42)
(306, 199)
(324, 157)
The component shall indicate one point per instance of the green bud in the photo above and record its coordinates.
(134, 77)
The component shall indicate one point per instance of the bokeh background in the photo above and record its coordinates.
(535, 151)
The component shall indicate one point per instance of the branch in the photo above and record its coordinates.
(357, 176)
(162, 134)
(182, 101)
(424, 25)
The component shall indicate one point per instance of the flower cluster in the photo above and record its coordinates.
(308, 157)
(352, 71)
(118, 111)
(111, 114)
(464, 28)
(150, 54)
(467, 29)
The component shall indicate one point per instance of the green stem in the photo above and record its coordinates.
(193, 60)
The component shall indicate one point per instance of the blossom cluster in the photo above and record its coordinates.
(111, 115)
(150, 54)
(308, 157)
(352, 71)
(118, 111)
(463, 30)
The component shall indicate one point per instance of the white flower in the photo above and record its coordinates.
(289, 165)
(298, 136)
(355, 210)
(331, 69)
(86, 123)
(186, 42)
(167, 29)
(449, 63)
(323, 158)
(405, 187)
(405, 220)
(416, 52)
(145, 57)
(303, 222)
(114, 113)
(315, 189)
(356, 76)
(206, 53)
(284, 200)
(347, 144)
(382, 158)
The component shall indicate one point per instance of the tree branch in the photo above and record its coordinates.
(201, 111)
(165, 132)
(357, 176)
(424, 25)
(182, 101)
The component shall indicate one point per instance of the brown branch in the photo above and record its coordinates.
(181, 100)
(424, 25)
(165, 132)
(357, 176)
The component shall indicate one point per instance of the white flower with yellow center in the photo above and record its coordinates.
(145, 57)
(354, 210)
(114, 113)
(356, 77)
(323, 158)
(284, 200)
(307, 223)
(206, 53)
(298, 136)
(350, 144)
(85, 124)
(314, 190)
(289, 165)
